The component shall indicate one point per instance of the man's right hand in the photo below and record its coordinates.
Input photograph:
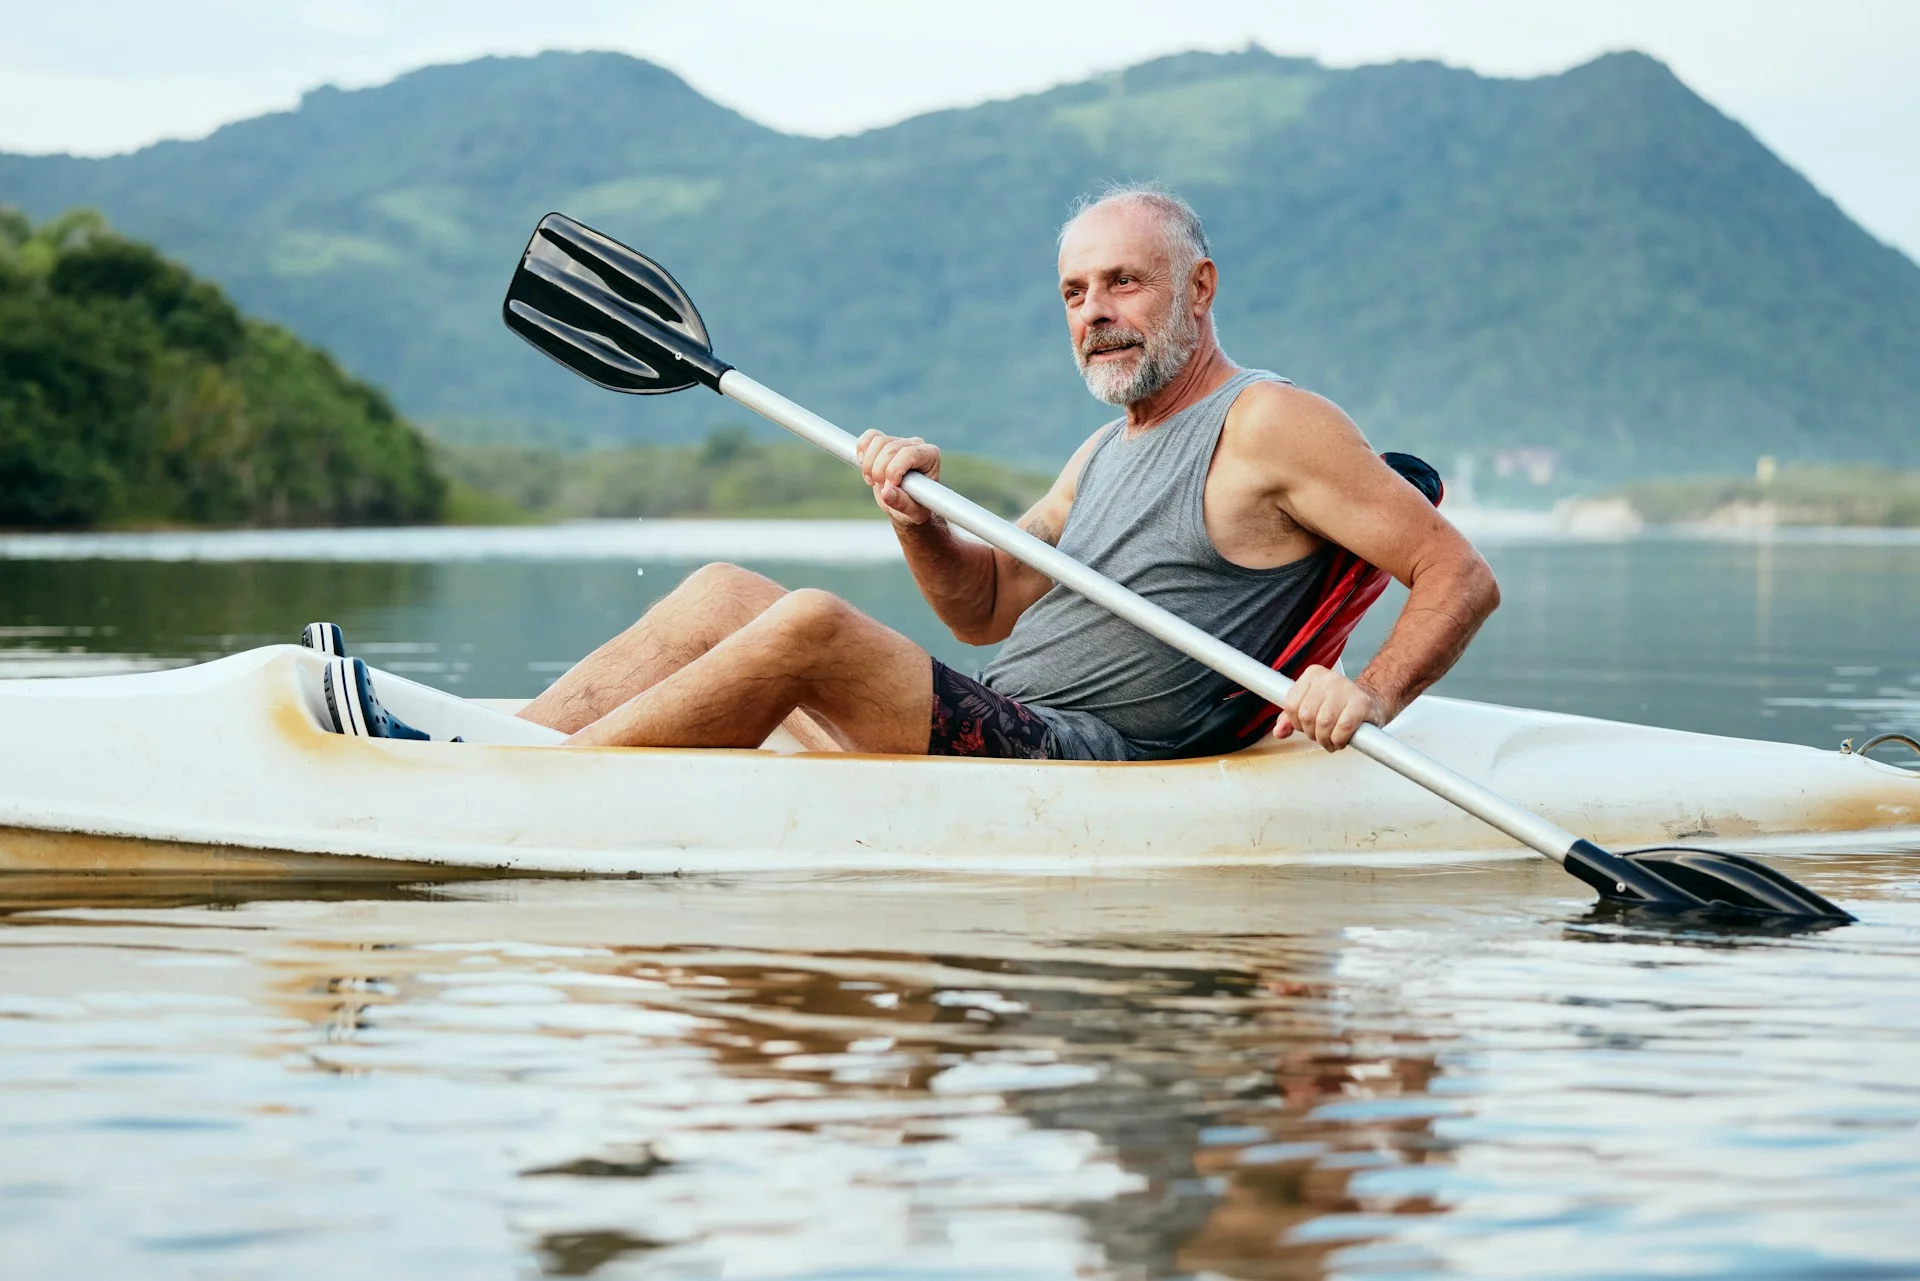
(885, 461)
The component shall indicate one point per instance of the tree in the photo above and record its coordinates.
(132, 392)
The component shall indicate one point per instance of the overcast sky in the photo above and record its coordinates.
(1833, 86)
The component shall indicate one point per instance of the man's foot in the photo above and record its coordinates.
(324, 637)
(352, 705)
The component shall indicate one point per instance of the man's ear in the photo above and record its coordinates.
(1205, 282)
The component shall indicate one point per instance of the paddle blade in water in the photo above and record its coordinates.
(1736, 882)
(611, 315)
(1699, 882)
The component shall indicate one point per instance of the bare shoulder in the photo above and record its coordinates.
(1302, 452)
(1271, 417)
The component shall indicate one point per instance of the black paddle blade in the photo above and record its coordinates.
(1725, 879)
(1681, 879)
(611, 315)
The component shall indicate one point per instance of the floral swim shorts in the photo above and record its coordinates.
(971, 720)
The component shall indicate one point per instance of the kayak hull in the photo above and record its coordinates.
(232, 754)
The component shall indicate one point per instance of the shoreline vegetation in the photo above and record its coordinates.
(732, 474)
(1796, 494)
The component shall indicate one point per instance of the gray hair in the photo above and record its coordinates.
(1186, 238)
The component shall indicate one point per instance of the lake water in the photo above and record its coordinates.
(1401, 1072)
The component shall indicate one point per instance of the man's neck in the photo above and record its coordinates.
(1205, 372)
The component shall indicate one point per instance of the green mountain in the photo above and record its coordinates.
(1597, 262)
(132, 393)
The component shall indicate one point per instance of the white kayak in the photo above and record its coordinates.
(232, 753)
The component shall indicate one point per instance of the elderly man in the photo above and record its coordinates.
(1220, 495)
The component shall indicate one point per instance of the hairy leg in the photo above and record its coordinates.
(869, 686)
(709, 605)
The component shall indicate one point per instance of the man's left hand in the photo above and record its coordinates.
(1329, 709)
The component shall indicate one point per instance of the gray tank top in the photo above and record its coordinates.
(1108, 690)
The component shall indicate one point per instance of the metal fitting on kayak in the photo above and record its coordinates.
(1905, 740)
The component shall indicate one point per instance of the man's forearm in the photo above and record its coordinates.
(1445, 607)
(958, 577)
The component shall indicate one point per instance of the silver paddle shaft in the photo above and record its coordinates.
(1248, 672)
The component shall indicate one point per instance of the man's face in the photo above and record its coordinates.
(1130, 318)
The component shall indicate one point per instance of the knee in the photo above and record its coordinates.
(717, 576)
(720, 581)
(809, 618)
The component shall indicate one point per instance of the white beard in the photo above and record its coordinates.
(1153, 364)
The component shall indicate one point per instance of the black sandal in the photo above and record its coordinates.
(353, 707)
(324, 637)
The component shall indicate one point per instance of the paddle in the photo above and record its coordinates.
(616, 318)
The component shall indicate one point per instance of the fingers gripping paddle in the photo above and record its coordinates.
(616, 318)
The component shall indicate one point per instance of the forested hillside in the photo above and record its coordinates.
(132, 393)
(1596, 262)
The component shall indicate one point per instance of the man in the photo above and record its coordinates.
(1219, 495)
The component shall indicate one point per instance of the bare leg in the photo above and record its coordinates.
(709, 605)
(810, 733)
(868, 685)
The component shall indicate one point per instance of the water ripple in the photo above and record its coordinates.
(1293, 1073)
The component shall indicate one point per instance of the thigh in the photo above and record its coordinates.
(867, 684)
(971, 720)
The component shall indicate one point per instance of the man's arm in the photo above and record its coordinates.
(978, 591)
(1329, 481)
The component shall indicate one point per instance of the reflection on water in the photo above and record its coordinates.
(1289, 1074)
(79, 617)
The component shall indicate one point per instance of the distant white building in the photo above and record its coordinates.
(1538, 465)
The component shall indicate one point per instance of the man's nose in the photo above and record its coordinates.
(1096, 307)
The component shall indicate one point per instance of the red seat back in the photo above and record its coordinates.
(1347, 590)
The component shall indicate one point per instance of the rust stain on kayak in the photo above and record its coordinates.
(1866, 812)
(30, 850)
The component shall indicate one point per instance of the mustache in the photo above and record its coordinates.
(1111, 339)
